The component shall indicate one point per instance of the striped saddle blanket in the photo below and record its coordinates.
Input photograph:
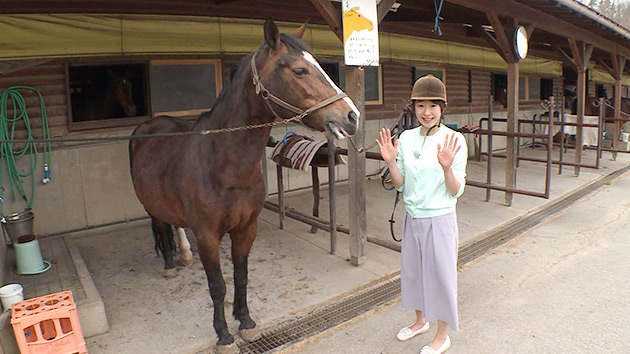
(297, 152)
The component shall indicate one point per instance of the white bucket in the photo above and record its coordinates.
(10, 294)
(623, 137)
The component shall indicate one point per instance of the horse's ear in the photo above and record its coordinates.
(300, 31)
(272, 35)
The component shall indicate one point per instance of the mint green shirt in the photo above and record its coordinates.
(424, 188)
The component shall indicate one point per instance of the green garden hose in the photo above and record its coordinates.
(12, 101)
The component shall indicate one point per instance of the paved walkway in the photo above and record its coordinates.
(562, 287)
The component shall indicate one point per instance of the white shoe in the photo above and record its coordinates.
(406, 333)
(444, 347)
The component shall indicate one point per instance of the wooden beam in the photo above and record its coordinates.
(588, 52)
(544, 21)
(383, 9)
(491, 40)
(577, 55)
(501, 37)
(566, 56)
(619, 63)
(331, 15)
(610, 70)
(530, 29)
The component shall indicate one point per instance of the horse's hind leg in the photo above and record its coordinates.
(184, 248)
(165, 243)
(241, 245)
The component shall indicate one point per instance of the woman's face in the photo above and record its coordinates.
(428, 113)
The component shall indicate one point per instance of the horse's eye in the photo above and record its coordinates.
(300, 71)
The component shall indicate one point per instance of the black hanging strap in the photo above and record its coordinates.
(391, 220)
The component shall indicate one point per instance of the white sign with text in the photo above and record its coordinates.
(360, 32)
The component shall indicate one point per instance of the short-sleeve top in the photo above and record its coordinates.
(424, 188)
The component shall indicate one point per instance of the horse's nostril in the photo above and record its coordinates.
(352, 117)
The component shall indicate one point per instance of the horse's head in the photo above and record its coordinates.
(122, 87)
(288, 71)
(356, 21)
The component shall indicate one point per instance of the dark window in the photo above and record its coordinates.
(499, 88)
(111, 93)
(418, 73)
(373, 80)
(546, 88)
(601, 91)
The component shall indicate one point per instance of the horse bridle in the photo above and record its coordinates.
(268, 96)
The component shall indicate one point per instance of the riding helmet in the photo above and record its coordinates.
(429, 88)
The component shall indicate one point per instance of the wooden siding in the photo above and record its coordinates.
(50, 80)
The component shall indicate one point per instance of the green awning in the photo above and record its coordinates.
(30, 36)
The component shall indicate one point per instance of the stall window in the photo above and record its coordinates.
(546, 88)
(529, 88)
(419, 72)
(184, 87)
(117, 94)
(373, 77)
(105, 95)
(499, 88)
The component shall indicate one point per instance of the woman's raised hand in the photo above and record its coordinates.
(446, 154)
(389, 150)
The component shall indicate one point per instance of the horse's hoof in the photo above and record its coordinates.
(170, 273)
(231, 348)
(187, 259)
(250, 335)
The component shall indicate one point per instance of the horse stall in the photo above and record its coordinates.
(104, 73)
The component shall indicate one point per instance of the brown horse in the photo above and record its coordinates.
(212, 183)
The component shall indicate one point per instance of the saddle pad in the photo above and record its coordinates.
(297, 152)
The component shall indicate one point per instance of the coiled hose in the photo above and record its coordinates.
(11, 101)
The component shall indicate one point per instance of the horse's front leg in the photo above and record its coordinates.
(208, 247)
(241, 245)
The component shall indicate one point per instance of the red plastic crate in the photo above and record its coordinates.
(48, 324)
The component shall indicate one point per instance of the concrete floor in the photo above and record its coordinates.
(291, 270)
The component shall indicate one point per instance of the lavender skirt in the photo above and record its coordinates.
(429, 267)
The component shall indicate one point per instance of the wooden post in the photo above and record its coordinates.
(282, 211)
(581, 93)
(331, 193)
(617, 115)
(356, 169)
(512, 117)
(581, 56)
(315, 178)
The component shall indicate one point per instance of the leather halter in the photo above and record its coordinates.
(268, 96)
